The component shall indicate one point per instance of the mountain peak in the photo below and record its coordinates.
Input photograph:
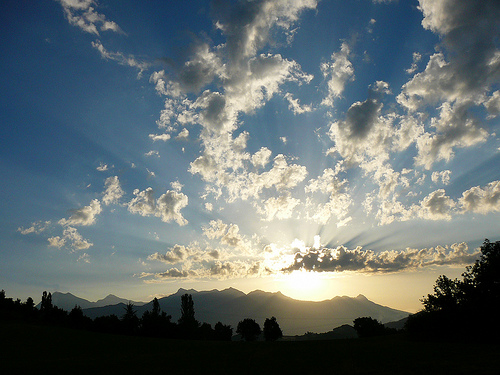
(361, 297)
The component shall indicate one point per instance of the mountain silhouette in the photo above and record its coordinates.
(295, 317)
(67, 301)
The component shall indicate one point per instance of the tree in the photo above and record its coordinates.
(272, 330)
(156, 308)
(46, 304)
(463, 308)
(367, 327)
(223, 332)
(448, 294)
(249, 329)
(187, 322)
(129, 319)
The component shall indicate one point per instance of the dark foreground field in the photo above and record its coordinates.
(44, 350)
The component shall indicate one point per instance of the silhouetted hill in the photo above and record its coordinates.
(294, 317)
(398, 324)
(345, 331)
(67, 301)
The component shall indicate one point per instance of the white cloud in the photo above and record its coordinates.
(455, 128)
(102, 167)
(120, 58)
(160, 137)
(83, 216)
(183, 134)
(443, 176)
(481, 200)
(436, 206)
(261, 158)
(144, 202)
(294, 105)
(80, 13)
(169, 206)
(56, 241)
(337, 72)
(493, 104)
(77, 242)
(36, 227)
(113, 191)
(280, 207)
(414, 66)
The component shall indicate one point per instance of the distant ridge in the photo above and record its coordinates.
(295, 317)
(68, 301)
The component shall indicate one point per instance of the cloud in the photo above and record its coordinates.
(177, 254)
(152, 153)
(102, 167)
(481, 200)
(247, 25)
(261, 157)
(443, 176)
(83, 216)
(227, 234)
(468, 32)
(455, 128)
(36, 227)
(414, 66)
(337, 73)
(493, 104)
(436, 206)
(294, 105)
(339, 199)
(175, 273)
(341, 259)
(70, 237)
(280, 207)
(160, 137)
(200, 69)
(80, 13)
(113, 191)
(183, 134)
(167, 206)
(56, 241)
(120, 58)
(144, 202)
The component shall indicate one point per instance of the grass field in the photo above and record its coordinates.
(53, 350)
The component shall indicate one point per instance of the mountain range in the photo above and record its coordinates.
(67, 301)
(230, 306)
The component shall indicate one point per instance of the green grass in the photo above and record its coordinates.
(42, 349)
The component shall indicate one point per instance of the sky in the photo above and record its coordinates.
(313, 147)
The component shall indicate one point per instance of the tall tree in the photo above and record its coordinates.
(129, 319)
(187, 322)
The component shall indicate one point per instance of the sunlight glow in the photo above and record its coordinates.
(304, 285)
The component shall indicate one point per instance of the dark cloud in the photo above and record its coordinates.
(341, 259)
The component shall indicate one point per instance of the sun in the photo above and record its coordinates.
(304, 285)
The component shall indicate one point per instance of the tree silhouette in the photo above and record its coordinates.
(223, 332)
(367, 327)
(187, 322)
(463, 308)
(272, 330)
(249, 329)
(46, 304)
(129, 319)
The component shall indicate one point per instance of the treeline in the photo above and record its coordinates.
(153, 323)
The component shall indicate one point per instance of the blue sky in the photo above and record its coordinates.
(319, 148)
